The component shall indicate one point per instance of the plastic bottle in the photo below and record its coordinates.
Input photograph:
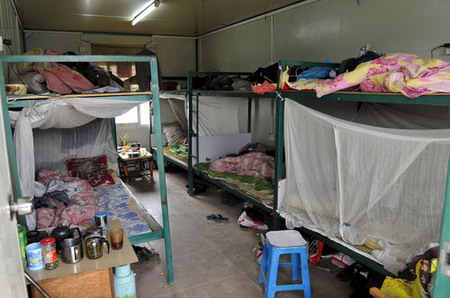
(284, 78)
(49, 253)
(23, 242)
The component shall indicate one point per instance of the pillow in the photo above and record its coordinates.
(174, 133)
(93, 169)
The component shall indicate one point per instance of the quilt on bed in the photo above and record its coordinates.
(115, 201)
(258, 187)
(409, 74)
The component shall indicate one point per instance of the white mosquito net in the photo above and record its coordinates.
(221, 115)
(355, 182)
(55, 130)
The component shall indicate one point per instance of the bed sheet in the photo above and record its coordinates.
(116, 201)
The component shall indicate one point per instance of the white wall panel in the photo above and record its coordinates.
(176, 55)
(60, 42)
(332, 29)
(239, 49)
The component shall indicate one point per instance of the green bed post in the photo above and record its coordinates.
(249, 115)
(162, 177)
(279, 139)
(190, 132)
(197, 132)
(10, 141)
(442, 283)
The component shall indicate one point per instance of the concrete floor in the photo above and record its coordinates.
(210, 259)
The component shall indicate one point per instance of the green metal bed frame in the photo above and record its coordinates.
(442, 284)
(158, 231)
(172, 160)
(192, 132)
(279, 97)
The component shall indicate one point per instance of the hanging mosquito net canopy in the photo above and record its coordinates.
(379, 177)
(55, 130)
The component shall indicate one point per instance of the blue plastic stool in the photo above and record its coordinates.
(279, 243)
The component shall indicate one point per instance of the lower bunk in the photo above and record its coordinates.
(254, 190)
(176, 155)
(374, 191)
(119, 203)
(73, 201)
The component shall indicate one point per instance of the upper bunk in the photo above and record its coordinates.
(202, 91)
(437, 98)
(19, 101)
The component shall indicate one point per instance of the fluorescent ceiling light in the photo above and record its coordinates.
(143, 13)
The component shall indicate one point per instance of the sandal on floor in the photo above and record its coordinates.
(217, 217)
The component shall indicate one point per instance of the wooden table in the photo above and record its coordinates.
(87, 278)
(139, 162)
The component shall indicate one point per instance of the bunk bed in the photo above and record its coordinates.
(358, 98)
(169, 155)
(201, 148)
(154, 229)
(360, 253)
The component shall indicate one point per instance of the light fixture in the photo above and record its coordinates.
(144, 12)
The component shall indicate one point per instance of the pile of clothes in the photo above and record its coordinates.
(62, 200)
(63, 78)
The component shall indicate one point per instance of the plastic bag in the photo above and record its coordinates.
(397, 287)
(246, 221)
(318, 72)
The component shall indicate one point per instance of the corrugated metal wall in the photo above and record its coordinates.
(331, 29)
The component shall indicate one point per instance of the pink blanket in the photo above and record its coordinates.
(60, 78)
(405, 73)
(255, 164)
(82, 204)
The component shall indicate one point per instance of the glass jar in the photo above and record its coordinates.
(49, 253)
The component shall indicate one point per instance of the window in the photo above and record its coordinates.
(122, 70)
(139, 115)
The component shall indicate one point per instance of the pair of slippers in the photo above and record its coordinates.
(145, 255)
(217, 217)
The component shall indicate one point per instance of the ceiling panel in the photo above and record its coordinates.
(173, 17)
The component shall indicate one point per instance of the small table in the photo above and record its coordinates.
(139, 162)
(87, 278)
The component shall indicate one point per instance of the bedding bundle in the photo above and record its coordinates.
(69, 199)
(79, 209)
(408, 74)
(255, 164)
(62, 78)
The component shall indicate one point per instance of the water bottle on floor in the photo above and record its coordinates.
(124, 282)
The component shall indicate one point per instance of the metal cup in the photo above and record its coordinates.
(100, 219)
(72, 250)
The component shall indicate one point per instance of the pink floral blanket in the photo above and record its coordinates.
(406, 73)
(255, 164)
(82, 206)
